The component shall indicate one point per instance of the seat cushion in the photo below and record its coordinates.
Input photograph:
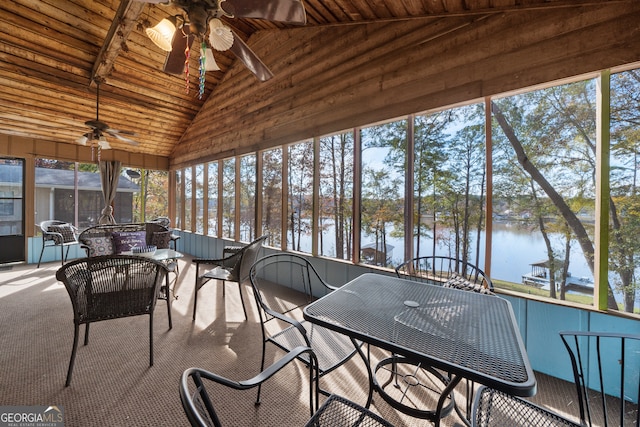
(68, 236)
(123, 241)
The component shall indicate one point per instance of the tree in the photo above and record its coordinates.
(467, 170)
(429, 140)
(272, 196)
(247, 197)
(567, 125)
(381, 206)
(300, 191)
(336, 175)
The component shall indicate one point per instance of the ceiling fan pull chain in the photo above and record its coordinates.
(203, 52)
(187, 55)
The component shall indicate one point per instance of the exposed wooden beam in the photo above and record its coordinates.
(123, 23)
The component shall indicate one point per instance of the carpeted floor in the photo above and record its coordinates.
(113, 384)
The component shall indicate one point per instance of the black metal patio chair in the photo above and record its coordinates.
(234, 268)
(605, 370)
(446, 271)
(281, 318)
(493, 408)
(58, 234)
(110, 287)
(336, 411)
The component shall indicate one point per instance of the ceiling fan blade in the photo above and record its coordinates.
(174, 63)
(119, 135)
(250, 59)
(288, 11)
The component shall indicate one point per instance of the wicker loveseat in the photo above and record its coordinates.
(109, 239)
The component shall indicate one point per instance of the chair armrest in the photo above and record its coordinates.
(194, 409)
(330, 287)
(258, 379)
(223, 262)
(289, 320)
(86, 249)
(51, 235)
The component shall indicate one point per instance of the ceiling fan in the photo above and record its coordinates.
(203, 21)
(99, 129)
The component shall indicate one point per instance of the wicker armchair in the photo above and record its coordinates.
(234, 268)
(110, 287)
(166, 222)
(281, 321)
(58, 233)
(336, 411)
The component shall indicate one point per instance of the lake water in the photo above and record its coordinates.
(513, 250)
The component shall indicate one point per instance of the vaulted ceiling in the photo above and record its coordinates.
(353, 63)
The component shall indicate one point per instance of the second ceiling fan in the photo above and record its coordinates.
(176, 33)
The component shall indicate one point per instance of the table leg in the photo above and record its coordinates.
(443, 397)
(168, 299)
(367, 362)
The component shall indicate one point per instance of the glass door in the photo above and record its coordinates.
(11, 210)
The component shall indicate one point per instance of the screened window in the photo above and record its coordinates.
(545, 204)
(300, 197)
(624, 245)
(188, 198)
(247, 197)
(272, 196)
(383, 176)
(199, 213)
(228, 198)
(336, 196)
(212, 202)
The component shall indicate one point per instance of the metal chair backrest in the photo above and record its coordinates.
(246, 257)
(50, 231)
(607, 363)
(289, 271)
(440, 269)
(111, 286)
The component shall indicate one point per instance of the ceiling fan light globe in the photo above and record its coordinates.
(82, 140)
(220, 36)
(104, 144)
(210, 63)
(162, 34)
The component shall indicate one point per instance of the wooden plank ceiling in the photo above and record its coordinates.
(50, 50)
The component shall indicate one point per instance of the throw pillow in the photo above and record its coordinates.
(67, 232)
(102, 245)
(123, 241)
(161, 239)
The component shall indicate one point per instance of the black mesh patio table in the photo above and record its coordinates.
(467, 334)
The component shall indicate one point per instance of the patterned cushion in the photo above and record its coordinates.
(124, 240)
(102, 245)
(161, 239)
(458, 282)
(67, 233)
